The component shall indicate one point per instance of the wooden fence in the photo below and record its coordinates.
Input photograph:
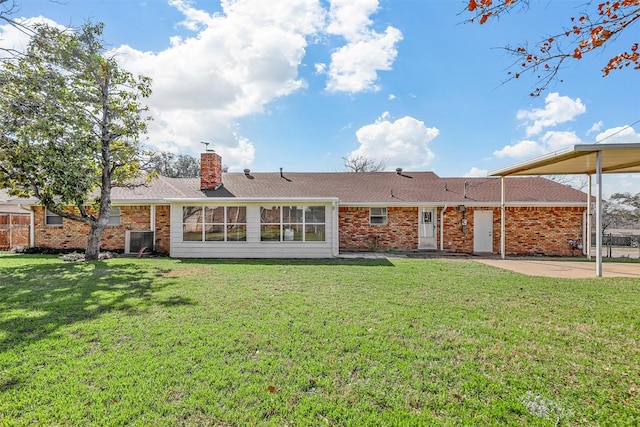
(14, 230)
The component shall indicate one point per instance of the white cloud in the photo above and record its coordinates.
(239, 61)
(194, 19)
(555, 140)
(354, 67)
(620, 183)
(522, 149)
(401, 143)
(596, 127)
(558, 109)
(350, 18)
(13, 38)
(619, 135)
(550, 141)
(476, 172)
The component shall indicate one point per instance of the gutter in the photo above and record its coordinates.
(32, 226)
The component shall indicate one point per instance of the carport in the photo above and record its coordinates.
(590, 159)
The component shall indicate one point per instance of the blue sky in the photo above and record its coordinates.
(300, 84)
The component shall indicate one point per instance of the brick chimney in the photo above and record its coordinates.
(210, 171)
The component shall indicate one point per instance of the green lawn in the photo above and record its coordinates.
(338, 342)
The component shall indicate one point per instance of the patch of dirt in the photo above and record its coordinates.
(185, 272)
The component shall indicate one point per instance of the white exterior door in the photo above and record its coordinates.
(427, 225)
(482, 231)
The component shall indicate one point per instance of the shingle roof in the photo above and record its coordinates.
(384, 187)
(357, 187)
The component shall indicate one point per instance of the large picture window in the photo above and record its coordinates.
(214, 223)
(292, 224)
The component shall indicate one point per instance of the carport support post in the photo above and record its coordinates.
(599, 214)
(587, 239)
(502, 219)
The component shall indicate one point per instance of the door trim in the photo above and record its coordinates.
(482, 231)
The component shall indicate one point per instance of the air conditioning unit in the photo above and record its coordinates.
(135, 240)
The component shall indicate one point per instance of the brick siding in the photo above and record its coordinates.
(529, 230)
(73, 234)
(210, 171)
(536, 230)
(400, 232)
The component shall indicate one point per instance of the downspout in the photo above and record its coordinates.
(336, 228)
(503, 212)
(442, 227)
(32, 226)
(152, 223)
(587, 244)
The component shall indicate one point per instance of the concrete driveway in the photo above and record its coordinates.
(565, 269)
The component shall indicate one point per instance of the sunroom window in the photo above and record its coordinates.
(292, 224)
(214, 223)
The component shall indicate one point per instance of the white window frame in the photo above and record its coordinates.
(225, 224)
(114, 220)
(381, 213)
(285, 224)
(48, 214)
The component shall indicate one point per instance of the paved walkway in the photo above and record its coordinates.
(565, 269)
(531, 267)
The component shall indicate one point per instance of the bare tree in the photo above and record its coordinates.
(579, 182)
(362, 163)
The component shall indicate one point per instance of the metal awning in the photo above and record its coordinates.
(579, 159)
(590, 159)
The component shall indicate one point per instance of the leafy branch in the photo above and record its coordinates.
(587, 33)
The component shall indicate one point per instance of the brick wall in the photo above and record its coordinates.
(400, 232)
(454, 238)
(163, 217)
(529, 230)
(535, 230)
(210, 171)
(73, 234)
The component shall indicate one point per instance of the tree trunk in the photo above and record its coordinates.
(93, 242)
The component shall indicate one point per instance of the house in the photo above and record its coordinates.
(316, 215)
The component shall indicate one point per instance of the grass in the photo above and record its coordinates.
(334, 342)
